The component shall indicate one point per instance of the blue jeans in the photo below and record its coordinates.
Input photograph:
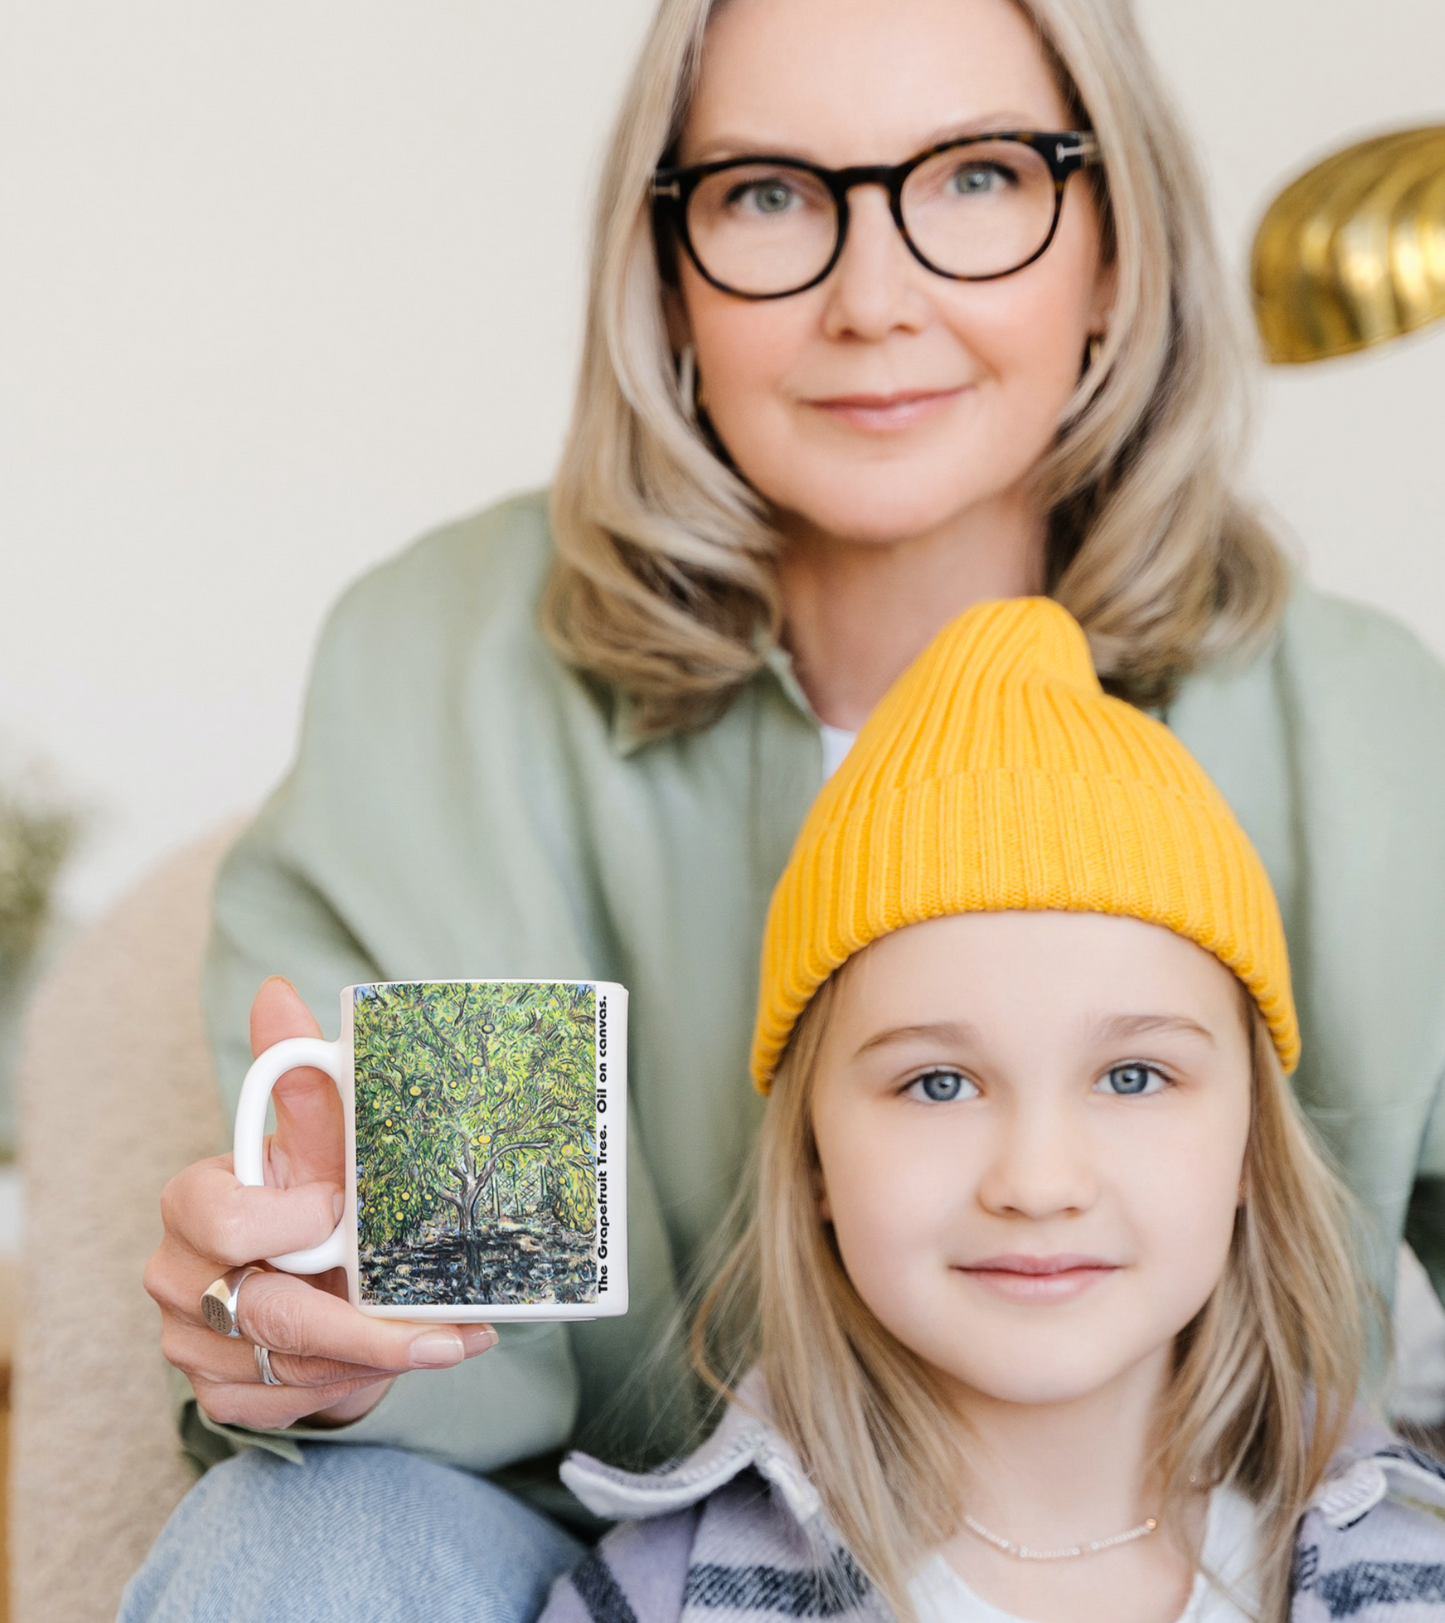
(353, 1535)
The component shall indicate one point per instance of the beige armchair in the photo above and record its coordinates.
(116, 1094)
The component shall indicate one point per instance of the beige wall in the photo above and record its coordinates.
(282, 284)
(1350, 454)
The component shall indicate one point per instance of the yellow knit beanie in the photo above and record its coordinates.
(997, 774)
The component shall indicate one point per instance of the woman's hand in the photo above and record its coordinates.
(335, 1363)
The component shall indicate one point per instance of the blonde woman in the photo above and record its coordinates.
(1047, 1308)
(961, 334)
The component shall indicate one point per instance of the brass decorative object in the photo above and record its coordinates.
(1352, 253)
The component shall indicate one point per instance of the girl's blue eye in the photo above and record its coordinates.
(1129, 1081)
(941, 1087)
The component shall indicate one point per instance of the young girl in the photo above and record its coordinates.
(1050, 1301)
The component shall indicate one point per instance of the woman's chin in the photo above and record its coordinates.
(877, 511)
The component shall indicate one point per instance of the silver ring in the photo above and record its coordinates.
(218, 1301)
(263, 1363)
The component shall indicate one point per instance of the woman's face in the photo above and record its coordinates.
(888, 401)
(1031, 1129)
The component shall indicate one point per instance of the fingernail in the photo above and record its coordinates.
(477, 1338)
(283, 981)
(338, 1205)
(437, 1349)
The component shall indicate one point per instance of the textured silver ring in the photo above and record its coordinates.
(218, 1300)
(263, 1363)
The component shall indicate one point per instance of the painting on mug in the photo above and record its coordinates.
(476, 1143)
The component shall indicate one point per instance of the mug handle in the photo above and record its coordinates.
(266, 1071)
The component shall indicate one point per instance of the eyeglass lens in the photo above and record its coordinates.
(974, 211)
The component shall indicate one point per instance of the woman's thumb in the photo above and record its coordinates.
(309, 1144)
(279, 1012)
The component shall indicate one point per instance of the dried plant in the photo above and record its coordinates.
(36, 835)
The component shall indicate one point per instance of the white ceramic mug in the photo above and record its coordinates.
(486, 1148)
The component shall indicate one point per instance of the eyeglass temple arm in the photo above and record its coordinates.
(1079, 150)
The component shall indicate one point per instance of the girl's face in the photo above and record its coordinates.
(1031, 1130)
(888, 401)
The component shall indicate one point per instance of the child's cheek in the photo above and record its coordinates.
(893, 1207)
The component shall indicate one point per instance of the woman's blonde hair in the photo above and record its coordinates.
(1264, 1378)
(664, 582)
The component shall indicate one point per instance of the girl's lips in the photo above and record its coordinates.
(1040, 1279)
(887, 413)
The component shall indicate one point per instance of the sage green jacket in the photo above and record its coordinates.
(464, 806)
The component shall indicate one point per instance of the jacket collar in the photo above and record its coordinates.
(1372, 1466)
(745, 1440)
(626, 729)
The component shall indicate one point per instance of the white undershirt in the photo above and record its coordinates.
(837, 741)
(940, 1596)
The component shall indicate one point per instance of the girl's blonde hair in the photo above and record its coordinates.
(664, 582)
(1281, 1340)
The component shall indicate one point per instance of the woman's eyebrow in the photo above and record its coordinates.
(951, 1032)
(1140, 1025)
(990, 124)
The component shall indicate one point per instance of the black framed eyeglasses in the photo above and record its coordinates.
(974, 209)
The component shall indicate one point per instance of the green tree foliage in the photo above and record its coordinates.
(456, 1082)
(573, 1189)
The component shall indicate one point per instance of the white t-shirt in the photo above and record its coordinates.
(837, 741)
(941, 1596)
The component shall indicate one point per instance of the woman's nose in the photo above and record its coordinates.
(1040, 1166)
(873, 289)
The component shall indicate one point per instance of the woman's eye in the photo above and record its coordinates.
(763, 197)
(1127, 1081)
(939, 1087)
(978, 179)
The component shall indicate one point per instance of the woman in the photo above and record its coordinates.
(822, 410)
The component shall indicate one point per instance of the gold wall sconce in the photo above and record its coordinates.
(1352, 254)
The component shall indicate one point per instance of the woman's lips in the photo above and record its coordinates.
(887, 413)
(1039, 1279)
